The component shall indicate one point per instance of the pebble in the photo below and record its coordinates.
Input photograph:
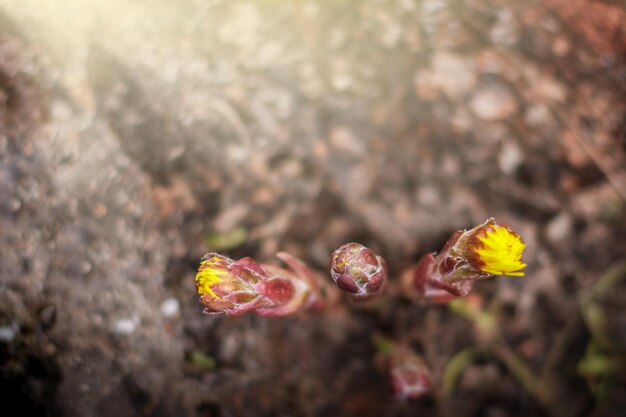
(561, 46)
(590, 203)
(559, 228)
(86, 267)
(175, 153)
(229, 219)
(493, 103)
(550, 89)
(428, 196)
(344, 140)
(538, 115)
(170, 308)
(341, 82)
(8, 333)
(505, 32)
(453, 73)
(510, 157)
(15, 205)
(461, 120)
(126, 326)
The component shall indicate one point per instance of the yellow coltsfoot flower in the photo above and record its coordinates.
(469, 255)
(499, 250)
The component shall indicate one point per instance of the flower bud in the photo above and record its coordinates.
(230, 287)
(469, 255)
(290, 291)
(409, 375)
(358, 270)
(238, 287)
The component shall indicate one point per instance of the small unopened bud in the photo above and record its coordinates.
(408, 374)
(469, 255)
(358, 271)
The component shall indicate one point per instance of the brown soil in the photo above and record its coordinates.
(137, 136)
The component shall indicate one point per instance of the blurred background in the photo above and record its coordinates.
(135, 136)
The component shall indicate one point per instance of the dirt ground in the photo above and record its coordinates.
(135, 136)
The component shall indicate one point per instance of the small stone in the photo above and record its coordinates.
(343, 139)
(175, 153)
(270, 53)
(126, 326)
(462, 120)
(170, 308)
(231, 217)
(590, 203)
(292, 169)
(450, 165)
(15, 205)
(263, 196)
(7, 333)
(505, 32)
(424, 87)
(86, 267)
(538, 115)
(493, 103)
(320, 150)
(429, 196)
(341, 82)
(100, 210)
(561, 46)
(454, 74)
(550, 89)
(559, 228)
(510, 157)
(390, 35)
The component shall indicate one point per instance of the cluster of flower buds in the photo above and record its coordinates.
(469, 255)
(358, 271)
(239, 287)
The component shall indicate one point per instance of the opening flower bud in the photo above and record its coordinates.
(226, 286)
(238, 287)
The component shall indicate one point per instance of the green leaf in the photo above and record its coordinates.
(203, 360)
(225, 241)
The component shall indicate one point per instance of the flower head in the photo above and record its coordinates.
(498, 250)
(358, 270)
(469, 255)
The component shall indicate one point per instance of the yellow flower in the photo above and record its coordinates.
(500, 250)
(211, 272)
(226, 286)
